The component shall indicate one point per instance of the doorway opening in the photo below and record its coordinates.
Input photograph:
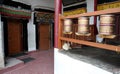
(15, 36)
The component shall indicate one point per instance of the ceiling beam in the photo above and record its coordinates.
(74, 4)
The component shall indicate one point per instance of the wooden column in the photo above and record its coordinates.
(95, 9)
(95, 17)
(58, 7)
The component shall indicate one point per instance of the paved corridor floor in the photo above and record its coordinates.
(43, 64)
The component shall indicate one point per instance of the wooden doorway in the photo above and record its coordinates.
(14, 36)
(44, 36)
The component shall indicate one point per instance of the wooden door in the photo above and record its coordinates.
(14, 36)
(44, 36)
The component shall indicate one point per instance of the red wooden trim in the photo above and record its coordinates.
(95, 5)
(104, 46)
(58, 8)
(13, 15)
(95, 17)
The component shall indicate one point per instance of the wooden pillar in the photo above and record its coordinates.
(58, 8)
(95, 17)
(95, 9)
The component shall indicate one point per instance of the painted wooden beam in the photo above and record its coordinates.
(95, 13)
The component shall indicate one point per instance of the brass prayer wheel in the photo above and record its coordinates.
(107, 19)
(106, 24)
(83, 25)
(67, 26)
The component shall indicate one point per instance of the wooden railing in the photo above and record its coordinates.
(85, 40)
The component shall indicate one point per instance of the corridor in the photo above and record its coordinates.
(43, 64)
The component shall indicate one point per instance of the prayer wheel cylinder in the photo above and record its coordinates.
(83, 25)
(106, 24)
(67, 25)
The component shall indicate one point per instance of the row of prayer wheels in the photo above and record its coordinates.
(106, 25)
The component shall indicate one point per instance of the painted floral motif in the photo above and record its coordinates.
(14, 12)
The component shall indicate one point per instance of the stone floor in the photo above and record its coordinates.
(65, 64)
(104, 59)
(43, 63)
(10, 62)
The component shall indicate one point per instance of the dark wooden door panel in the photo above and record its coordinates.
(44, 36)
(44, 44)
(14, 36)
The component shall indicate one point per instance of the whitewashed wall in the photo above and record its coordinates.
(90, 8)
(98, 39)
(46, 4)
(31, 34)
(1, 45)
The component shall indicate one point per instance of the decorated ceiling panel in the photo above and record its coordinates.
(44, 17)
(14, 12)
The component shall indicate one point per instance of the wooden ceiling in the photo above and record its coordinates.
(69, 2)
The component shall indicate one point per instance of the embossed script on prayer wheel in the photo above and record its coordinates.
(106, 24)
(83, 25)
(67, 26)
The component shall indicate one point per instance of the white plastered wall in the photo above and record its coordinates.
(90, 8)
(44, 4)
(1, 45)
(31, 34)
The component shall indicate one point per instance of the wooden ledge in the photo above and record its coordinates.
(79, 34)
(94, 44)
(67, 32)
(107, 36)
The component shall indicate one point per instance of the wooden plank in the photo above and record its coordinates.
(95, 13)
(104, 46)
(44, 36)
(59, 33)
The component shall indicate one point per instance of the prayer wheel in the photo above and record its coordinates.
(106, 24)
(83, 25)
(67, 26)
